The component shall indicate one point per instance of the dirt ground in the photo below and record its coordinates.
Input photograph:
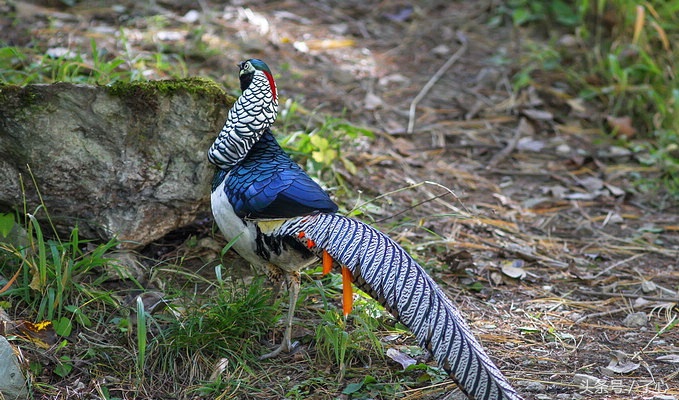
(518, 191)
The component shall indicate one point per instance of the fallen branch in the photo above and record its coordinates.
(628, 296)
(425, 89)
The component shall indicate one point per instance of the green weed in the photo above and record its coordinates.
(57, 277)
(230, 324)
(625, 63)
(24, 65)
(141, 340)
(317, 143)
(344, 342)
(54, 280)
(523, 12)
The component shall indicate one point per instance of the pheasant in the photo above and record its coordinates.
(281, 222)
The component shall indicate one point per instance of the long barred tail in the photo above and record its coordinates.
(384, 270)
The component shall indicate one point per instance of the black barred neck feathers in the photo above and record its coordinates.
(254, 111)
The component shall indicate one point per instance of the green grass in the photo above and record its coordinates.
(57, 277)
(230, 324)
(29, 65)
(64, 281)
(352, 341)
(624, 63)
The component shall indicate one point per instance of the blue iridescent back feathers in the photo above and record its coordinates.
(267, 183)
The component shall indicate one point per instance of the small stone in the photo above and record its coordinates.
(535, 387)
(648, 286)
(12, 381)
(563, 149)
(568, 41)
(339, 29)
(441, 50)
(191, 16)
(635, 320)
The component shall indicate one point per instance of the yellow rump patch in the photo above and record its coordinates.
(267, 226)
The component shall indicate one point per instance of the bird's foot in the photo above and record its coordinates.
(285, 347)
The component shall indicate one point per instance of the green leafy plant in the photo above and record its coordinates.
(229, 324)
(342, 343)
(141, 339)
(524, 12)
(625, 63)
(24, 65)
(56, 274)
(318, 143)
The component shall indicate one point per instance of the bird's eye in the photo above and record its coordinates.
(248, 66)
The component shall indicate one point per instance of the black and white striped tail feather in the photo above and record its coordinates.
(384, 270)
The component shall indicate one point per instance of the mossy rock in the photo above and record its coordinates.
(126, 160)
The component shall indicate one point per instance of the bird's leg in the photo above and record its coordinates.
(276, 277)
(286, 345)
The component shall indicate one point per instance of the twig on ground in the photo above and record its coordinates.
(610, 267)
(504, 153)
(425, 89)
(411, 207)
(628, 296)
(603, 313)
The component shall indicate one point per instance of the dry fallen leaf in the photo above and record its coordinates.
(556, 191)
(648, 286)
(622, 126)
(41, 333)
(538, 115)
(219, 368)
(322, 44)
(401, 358)
(619, 364)
(670, 358)
(530, 144)
(513, 269)
(615, 191)
(372, 101)
(576, 104)
(591, 183)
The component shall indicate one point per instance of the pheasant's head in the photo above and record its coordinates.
(249, 68)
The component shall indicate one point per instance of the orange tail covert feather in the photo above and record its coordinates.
(347, 295)
(327, 262)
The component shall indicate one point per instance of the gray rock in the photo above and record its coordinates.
(535, 387)
(12, 381)
(127, 160)
(635, 320)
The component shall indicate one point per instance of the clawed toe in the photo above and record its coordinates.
(285, 347)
